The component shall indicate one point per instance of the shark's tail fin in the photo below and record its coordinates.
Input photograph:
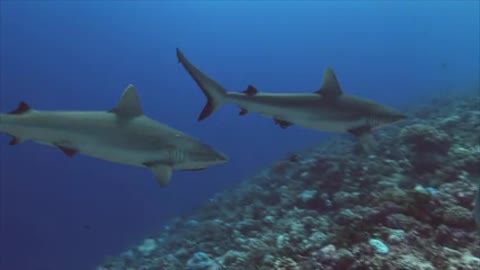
(214, 92)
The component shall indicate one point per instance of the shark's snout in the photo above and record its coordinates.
(391, 115)
(204, 155)
(221, 157)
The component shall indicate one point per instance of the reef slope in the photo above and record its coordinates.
(407, 205)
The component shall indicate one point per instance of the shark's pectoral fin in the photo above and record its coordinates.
(129, 105)
(21, 108)
(162, 172)
(282, 123)
(243, 111)
(360, 131)
(330, 86)
(364, 134)
(251, 91)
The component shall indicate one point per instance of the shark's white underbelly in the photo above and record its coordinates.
(304, 118)
(116, 154)
(96, 146)
(323, 125)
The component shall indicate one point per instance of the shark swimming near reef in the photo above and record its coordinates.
(122, 135)
(327, 109)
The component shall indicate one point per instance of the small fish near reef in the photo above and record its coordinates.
(122, 135)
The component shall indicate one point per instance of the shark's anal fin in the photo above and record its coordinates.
(22, 108)
(162, 172)
(250, 91)
(330, 87)
(282, 123)
(68, 150)
(243, 111)
(129, 104)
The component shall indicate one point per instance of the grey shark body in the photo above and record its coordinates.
(327, 109)
(122, 135)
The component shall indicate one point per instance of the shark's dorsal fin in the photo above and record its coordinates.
(330, 86)
(129, 104)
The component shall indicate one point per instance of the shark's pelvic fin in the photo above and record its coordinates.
(67, 149)
(250, 91)
(214, 92)
(15, 140)
(243, 111)
(22, 108)
(282, 123)
(129, 104)
(330, 86)
(162, 172)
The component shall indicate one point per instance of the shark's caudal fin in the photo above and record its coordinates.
(214, 92)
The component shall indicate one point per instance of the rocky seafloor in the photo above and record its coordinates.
(407, 204)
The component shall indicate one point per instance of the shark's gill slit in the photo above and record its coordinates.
(374, 121)
(176, 156)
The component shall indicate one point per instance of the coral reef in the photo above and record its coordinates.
(407, 205)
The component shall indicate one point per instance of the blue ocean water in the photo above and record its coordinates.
(69, 213)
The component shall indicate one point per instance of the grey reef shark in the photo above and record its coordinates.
(327, 109)
(122, 135)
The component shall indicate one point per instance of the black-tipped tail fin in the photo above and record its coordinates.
(214, 92)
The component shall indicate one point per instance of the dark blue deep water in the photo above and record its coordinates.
(69, 213)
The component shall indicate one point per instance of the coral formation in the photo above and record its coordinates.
(407, 205)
